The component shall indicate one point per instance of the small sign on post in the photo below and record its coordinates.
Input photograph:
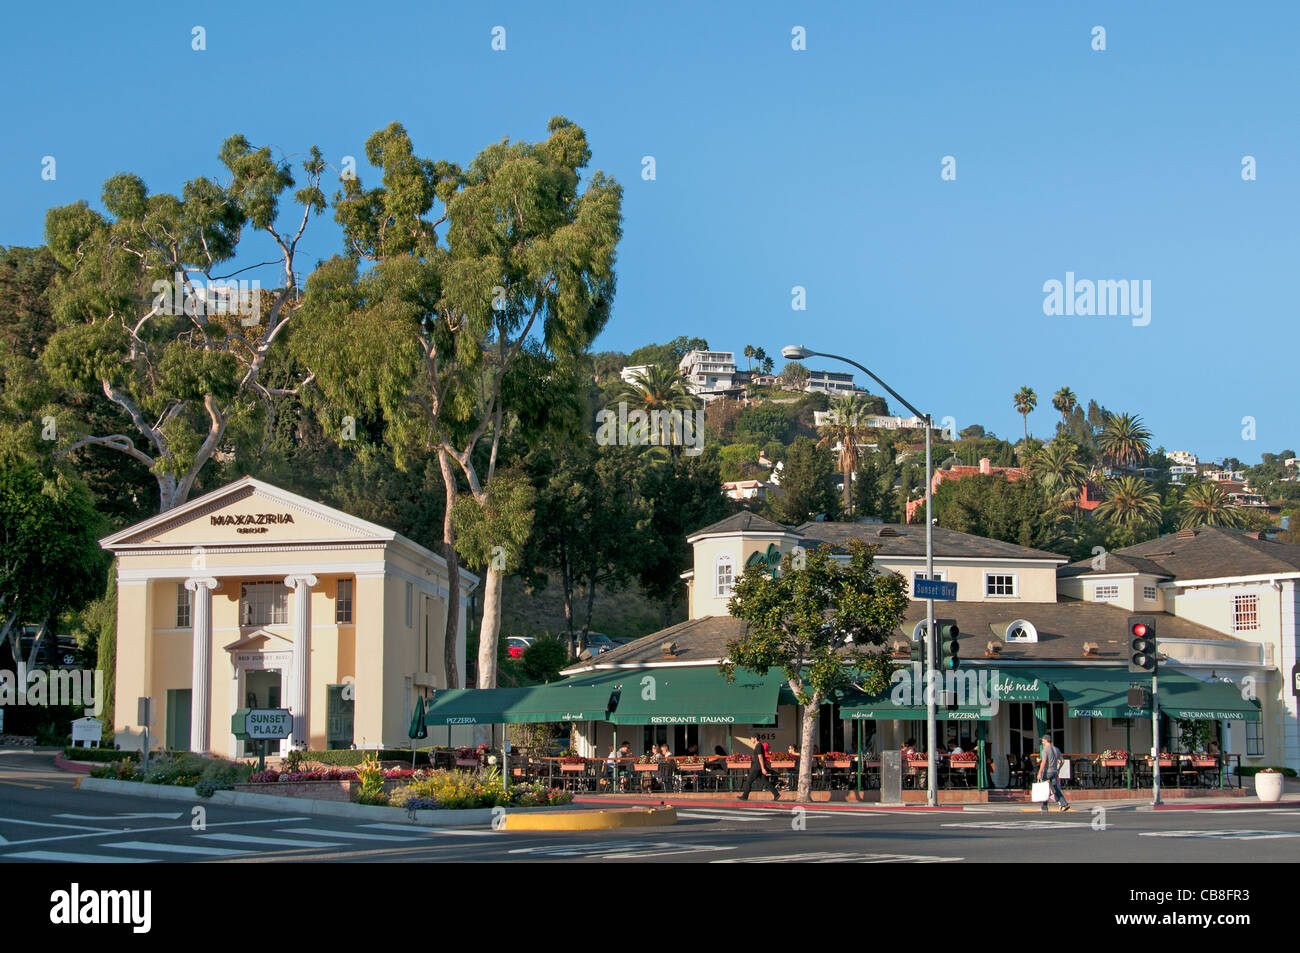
(261, 725)
(934, 589)
(86, 732)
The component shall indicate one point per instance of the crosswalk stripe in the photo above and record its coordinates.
(737, 816)
(78, 858)
(459, 832)
(832, 857)
(354, 835)
(177, 848)
(269, 841)
(1226, 834)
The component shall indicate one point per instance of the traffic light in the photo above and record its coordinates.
(949, 643)
(1142, 644)
(1139, 697)
(916, 647)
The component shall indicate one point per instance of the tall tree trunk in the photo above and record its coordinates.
(489, 629)
(806, 743)
(453, 571)
(586, 623)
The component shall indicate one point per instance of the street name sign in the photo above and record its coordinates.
(934, 589)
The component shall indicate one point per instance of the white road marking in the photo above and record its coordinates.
(618, 849)
(356, 835)
(117, 817)
(839, 857)
(177, 848)
(74, 827)
(1235, 835)
(269, 841)
(410, 829)
(1020, 825)
(78, 858)
(115, 832)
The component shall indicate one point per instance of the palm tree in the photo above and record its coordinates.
(1065, 401)
(1205, 504)
(1025, 400)
(1130, 502)
(1057, 467)
(658, 388)
(749, 354)
(1124, 441)
(845, 428)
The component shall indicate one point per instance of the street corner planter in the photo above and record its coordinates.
(316, 790)
(1268, 786)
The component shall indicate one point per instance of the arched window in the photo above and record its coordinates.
(724, 575)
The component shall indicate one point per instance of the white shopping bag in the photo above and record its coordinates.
(1042, 791)
(1064, 773)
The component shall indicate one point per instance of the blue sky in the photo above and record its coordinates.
(775, 168)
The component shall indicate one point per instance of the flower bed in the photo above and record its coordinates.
(456, 790)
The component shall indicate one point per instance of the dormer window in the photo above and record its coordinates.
(724, 575)
(1021, 630)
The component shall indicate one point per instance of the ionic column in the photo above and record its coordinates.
(201, 673)
(300, 682)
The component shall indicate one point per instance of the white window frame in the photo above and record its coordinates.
(1150, 594)
(184, 607)
(719, 561)
(1105, 591)
(1015, 585)
(940, 575)
(1238, 604)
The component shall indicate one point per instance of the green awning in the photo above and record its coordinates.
(1025, 685)
(1103, 693)
(493, 706)
(693, 696)
(1184, 696)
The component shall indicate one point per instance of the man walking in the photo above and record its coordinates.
(760, 765)
(1049, 770)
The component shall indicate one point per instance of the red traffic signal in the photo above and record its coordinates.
(1139, 630)
(1142, 648)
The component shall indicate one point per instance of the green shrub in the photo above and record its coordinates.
(350, 758)
(180, 769)
(371, 776)
(118, 771)
(99, 754)
(221, 775)
(451, 790)
(1251, 772)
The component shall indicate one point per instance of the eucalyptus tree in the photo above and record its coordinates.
(142, 315)
(463, 267)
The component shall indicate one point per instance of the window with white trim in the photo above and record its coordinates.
(1105, 593)
(343, 602)
(263, 603)
(724, 576)
(183, 604)
(1149, 594)
(1245, 613)
(1000, 584)
(939, 574)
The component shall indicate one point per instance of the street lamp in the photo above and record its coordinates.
(798, 352)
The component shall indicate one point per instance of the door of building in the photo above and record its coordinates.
(177, 737)
(261, 690)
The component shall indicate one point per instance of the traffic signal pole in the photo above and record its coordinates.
(931, 643)
(1155, 739)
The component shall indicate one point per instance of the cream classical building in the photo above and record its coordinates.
(253, 597)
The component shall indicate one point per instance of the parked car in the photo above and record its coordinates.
(598, 642)
(516, 645)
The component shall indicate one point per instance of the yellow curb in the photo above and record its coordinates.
(591, 820)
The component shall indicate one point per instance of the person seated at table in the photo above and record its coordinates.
(909, 748)
(692, 750)
(954, 746)
(1213, 749)
(666, 771)
(794, 750)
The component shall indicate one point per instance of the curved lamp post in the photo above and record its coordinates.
(798, 352)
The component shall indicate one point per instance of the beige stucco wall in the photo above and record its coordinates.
(1034, 583)
(377, 650)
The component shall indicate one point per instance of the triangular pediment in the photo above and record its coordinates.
(263, 640)
(247, 512)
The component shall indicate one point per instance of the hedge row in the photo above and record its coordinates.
(350, 758)
(1251, 772)
(99, 754)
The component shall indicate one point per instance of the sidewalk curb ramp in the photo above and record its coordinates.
(591, 820)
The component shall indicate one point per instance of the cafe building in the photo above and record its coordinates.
(1041, 655)
(253, 597)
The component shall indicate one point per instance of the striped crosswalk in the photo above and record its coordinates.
(147, 845)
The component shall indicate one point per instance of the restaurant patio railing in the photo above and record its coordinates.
(843, 771)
